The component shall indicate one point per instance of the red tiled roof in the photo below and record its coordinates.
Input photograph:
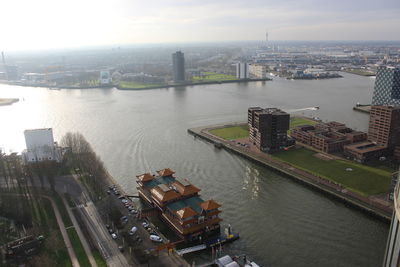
(185, 188)
(210, 205)
(186, 212)
(145, 177)
(165, 172)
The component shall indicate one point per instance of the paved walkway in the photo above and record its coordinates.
(80, 234)
(64, 234)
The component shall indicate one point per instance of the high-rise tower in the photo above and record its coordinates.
(178, 64)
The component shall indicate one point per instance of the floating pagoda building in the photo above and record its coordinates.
(180, 205)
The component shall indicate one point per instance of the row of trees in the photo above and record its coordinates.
(84, 161)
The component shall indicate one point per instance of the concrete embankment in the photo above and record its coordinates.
(317, 183)
(363, 108)
(195, 83)
(8, 101)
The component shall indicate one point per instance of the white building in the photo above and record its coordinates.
(105, 77)
(242, 71)
(40, 146)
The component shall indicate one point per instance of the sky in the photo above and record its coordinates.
(43, 24)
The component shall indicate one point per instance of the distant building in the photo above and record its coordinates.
(392, 254)
(259, 71)
(242, 71)
(328, 137)
(105, 77)
(178, 64)
(40, 146)
(387, 86)
(12, 72)
(268, 128)
(384, 126)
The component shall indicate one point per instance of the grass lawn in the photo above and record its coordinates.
(138, 85)
(297, 121)
(236, 132)
(363, 179)
(212, 76)
(232, 132)
(78, 248)
(99, 259)
(64, 214)
(360, 72)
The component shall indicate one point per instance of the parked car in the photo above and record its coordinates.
(156, 238)
(133, 230)
(114, 236)
(124, 200)
(108, 192)
(108, 226)
(133, 211)
(145, 224)
(110, 230)
(121, 248)
(124, 218)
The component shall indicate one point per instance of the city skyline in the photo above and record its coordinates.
(47, 24)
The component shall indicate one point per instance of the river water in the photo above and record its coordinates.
(281, 223)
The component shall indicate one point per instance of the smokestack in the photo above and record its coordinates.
(2, 56)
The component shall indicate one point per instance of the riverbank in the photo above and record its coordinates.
(8, 101)
(183, 84)
(371, 205)
(359, 72)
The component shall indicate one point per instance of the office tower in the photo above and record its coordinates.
(242, 70)
(178, 63)
(384, 126)
(268, 128)
(387, 86)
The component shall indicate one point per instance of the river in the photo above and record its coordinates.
(281, 223)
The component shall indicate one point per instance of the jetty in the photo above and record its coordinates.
(341, 194)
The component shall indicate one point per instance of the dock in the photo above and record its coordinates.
(363, 108)
(378, 211)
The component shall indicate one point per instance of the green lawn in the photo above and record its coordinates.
(78, 248)
(236, 132)
(360, 72)
(363, 179)
(297, 121)
(212, 76)
(138, 85)
(99, 259)
(232, 132)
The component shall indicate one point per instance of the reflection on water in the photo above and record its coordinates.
(251, 181)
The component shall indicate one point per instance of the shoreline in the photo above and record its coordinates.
(117, 86)
(8, 101)
(283, 168)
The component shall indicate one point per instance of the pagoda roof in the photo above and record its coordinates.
(162, 193)
(145, 177)
(165, 172)
(186, 212)
(185, 187)
(210, 205)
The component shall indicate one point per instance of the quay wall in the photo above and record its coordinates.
(330, 192)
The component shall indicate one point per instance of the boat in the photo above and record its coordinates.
(236, 261)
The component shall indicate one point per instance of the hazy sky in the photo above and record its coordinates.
(40, 24)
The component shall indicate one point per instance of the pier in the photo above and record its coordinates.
(316, 183)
